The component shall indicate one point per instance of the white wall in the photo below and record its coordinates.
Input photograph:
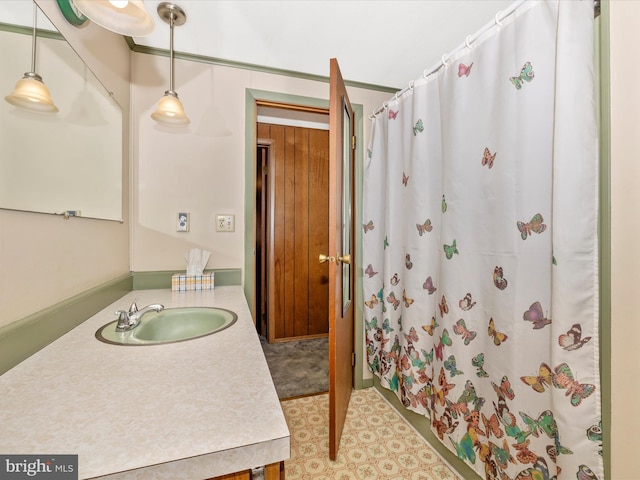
(45, 259)
(625, 236)
(200, 170)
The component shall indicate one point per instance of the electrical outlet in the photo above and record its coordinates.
(225, 223)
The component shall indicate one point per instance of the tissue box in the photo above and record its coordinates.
(181, 282)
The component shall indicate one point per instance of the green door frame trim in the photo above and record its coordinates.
(253, 96)
(603, 88)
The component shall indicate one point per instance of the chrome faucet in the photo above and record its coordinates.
(128, 320)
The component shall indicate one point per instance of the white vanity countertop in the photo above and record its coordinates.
(188, 410)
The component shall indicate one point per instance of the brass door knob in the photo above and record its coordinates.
(345, 258)
(326, 258)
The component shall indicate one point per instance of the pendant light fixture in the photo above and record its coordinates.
(170, 111)
(31, 93)
(126, 17)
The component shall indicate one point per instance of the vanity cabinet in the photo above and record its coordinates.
(219, 431)
(275, 471)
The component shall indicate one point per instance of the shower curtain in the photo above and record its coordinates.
(480, 247)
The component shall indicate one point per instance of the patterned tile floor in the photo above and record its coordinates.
(377, 443)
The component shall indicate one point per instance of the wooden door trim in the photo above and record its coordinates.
(301, 337)
(290, 106)
(267, 142)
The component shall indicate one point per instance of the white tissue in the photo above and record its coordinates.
(196, 261)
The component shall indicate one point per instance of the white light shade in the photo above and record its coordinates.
(170, 111)
(31, 94)
(124, 17)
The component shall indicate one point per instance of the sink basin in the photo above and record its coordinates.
(170, 325)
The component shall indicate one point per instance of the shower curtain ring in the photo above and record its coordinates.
(424, 74)
(396, 96)
(498, 22)
(411, 83)
(468, 41)
(385, 105)
(444, 60)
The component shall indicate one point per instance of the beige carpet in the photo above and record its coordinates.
(377, 443)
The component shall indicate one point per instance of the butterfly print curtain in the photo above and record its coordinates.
(480, 247)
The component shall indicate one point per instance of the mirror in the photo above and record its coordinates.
(346, 205)
(69, 163)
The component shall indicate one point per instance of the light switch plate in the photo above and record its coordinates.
(225, 223)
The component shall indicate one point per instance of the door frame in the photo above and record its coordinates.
(264, 237)
(252, 98)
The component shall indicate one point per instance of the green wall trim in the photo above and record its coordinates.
(253, 67)
(21, 339)
(162, 279)
(359, 345)
(8, 27)
(423, 426)
(366, 383)
(603, 49)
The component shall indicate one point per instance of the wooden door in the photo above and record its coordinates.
(341, 258)
(296, 180)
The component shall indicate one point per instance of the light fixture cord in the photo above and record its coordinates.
(171, 19)
(33, 40)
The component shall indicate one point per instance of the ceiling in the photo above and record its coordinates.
(379, 42)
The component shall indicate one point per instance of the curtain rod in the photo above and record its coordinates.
(499, 18)
(497, 21)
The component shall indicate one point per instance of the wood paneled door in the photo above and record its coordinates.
(293, 209)
(341, 255)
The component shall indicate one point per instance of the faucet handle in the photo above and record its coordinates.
(123, 320)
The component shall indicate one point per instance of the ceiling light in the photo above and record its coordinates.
(170, 111)
(31, 93)
(126, 17)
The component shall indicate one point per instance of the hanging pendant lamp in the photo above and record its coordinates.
(126, 17)
(31, 93)
(170, 111)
